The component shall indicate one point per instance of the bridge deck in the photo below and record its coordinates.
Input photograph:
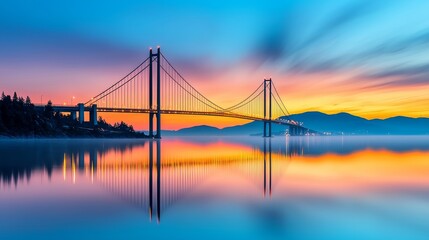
(214, 114)
(178, 112)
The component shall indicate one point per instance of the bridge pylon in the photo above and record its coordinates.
(267, 121)
(152, 111)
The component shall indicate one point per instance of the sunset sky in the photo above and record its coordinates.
(369, 58)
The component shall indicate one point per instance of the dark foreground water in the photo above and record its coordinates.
(216, 188)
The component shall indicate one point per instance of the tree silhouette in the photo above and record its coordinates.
(28, 101)
(19, 117)
(15, 97)
(21, 100)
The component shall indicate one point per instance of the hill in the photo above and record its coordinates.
(337, 124)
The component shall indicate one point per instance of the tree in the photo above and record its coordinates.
(122, 126)
(102, 123)
(28, 101)
(6, 100)
(3, 96)
(15, 97)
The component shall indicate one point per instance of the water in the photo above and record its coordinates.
(216, 188)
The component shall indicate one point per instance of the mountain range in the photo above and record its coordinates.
(336, 124)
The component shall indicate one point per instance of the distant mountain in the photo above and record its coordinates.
(345, 123)
(340, 123)
(252, 128)
(197, 130)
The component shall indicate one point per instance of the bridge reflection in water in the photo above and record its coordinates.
(155, 180)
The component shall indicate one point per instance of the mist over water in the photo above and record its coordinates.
(373, 187)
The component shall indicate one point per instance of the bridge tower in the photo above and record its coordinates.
(267, 122)
(152, 111)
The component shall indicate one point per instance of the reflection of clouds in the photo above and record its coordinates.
(49, 155)
(324, 173)
(360, 214)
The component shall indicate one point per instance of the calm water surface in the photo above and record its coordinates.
(216, 188)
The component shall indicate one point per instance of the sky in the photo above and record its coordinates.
(366, 57)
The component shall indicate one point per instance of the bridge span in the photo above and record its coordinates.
(155, 88)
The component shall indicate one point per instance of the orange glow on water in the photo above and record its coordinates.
(231, 169)
(359, 171)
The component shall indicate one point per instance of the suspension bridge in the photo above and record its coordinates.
(155, 88)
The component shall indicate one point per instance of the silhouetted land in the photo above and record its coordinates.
(19, 118)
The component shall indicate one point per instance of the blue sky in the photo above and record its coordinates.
(221, 30)
(186, 28)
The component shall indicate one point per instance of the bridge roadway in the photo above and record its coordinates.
(73, 110)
